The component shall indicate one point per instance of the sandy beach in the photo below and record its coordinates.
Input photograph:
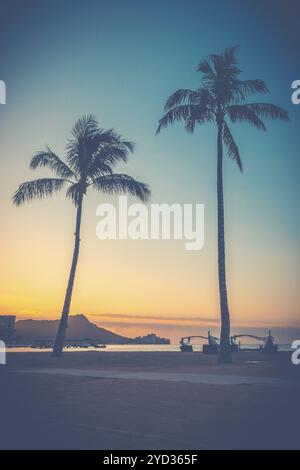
(142, 400)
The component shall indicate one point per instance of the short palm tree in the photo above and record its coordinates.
(221, 99)
(91, 156)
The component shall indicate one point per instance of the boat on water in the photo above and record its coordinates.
(213, 343)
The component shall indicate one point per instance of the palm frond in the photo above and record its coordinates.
(119, 183)
(74, 192)
(114, 151)
(85, 127)
(199, 116)
(179, 113)
(269, 111)
(111, 149)
(81, 145)
(91, 154)
(111, 137)
(50, 160)
(243, 113)
(224, 68)
(206, 68)
(219, 72)
(40, 189)
(183, 96)
(191, 114)
(228, 67)
(101, 144)
(98, 167)
(244, 88)
(229, 55)
(220, 66)
(232, 149)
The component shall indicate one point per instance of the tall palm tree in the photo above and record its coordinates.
(91, 155)
(221, 99)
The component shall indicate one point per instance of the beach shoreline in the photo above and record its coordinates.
(254, 361)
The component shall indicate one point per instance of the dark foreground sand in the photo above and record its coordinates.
(92, 410)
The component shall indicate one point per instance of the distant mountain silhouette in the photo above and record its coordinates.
(79, 327)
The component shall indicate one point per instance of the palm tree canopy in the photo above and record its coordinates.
(221, 98)
(92, 154)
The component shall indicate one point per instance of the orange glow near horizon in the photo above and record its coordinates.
(135, 287)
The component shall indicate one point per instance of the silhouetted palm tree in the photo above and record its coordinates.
(219, 99)
(91, 156)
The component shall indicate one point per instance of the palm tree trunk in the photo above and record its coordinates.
(63, 324)
(225, 354)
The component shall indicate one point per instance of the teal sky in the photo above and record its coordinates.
(120, 60)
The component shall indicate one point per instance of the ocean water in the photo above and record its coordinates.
(138, 347)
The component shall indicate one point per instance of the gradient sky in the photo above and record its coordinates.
(120, 60)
